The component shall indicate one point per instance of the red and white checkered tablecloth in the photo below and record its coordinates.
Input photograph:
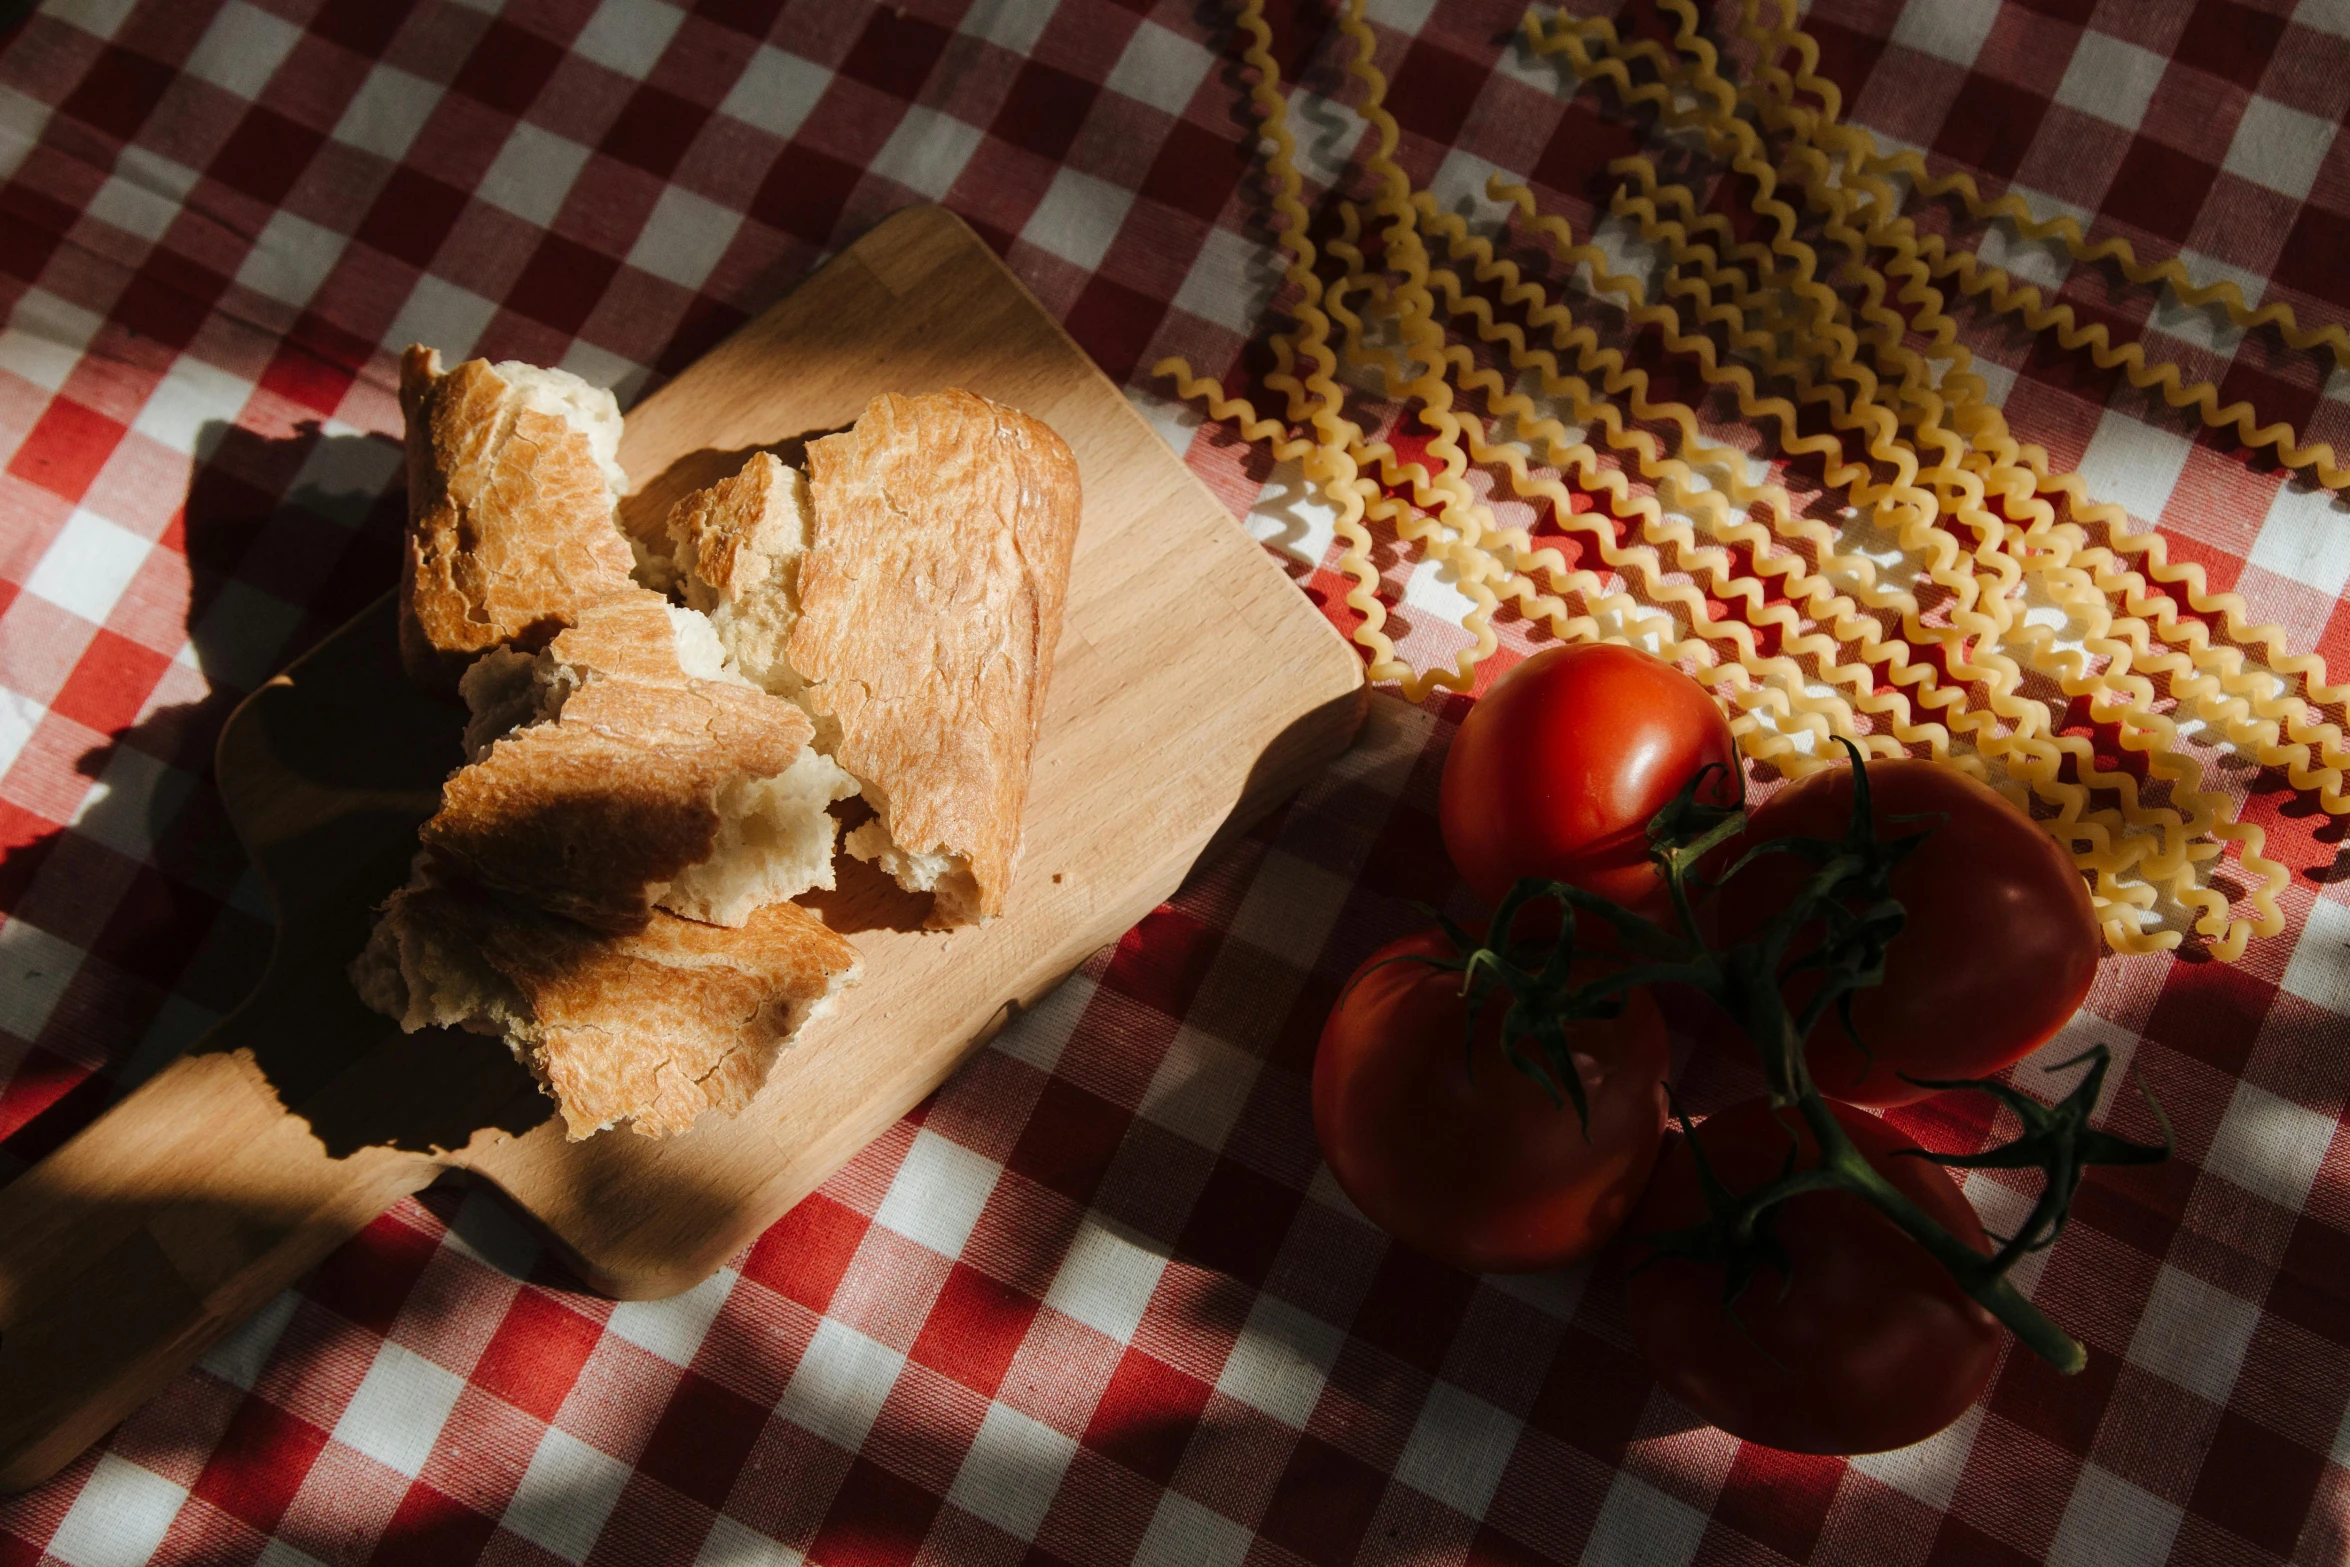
(1097, 1301)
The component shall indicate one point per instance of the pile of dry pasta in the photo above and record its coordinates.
(1954, 597)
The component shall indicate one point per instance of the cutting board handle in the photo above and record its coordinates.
(128, 1251)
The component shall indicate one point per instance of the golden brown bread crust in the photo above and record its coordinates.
(653, 1027)
(930, 603)
(594, 813)
(510, 531)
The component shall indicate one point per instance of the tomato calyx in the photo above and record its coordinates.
(1849, 893)
(1846, 896)
(1543, 1003)
(1739, 1236)
(1538, 974)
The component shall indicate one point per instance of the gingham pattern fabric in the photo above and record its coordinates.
(1097, 1301)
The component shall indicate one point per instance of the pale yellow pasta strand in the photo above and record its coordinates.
(1677, 484)
(2084, 758)
(1864, 163)
(2141, 730)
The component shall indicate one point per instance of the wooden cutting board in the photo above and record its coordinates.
(1193, 689)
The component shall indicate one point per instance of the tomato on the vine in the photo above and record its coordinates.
(1461, 1155)
(1558, 767)
(1999, 945)
(1867, 1344)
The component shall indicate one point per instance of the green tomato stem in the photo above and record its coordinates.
(1848, 889)
(1972, 1271)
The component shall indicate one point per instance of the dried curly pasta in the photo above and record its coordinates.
(1325, 455)
(2098, 838)
(1757, 682)
(1679, 485)
(1784, 615)
(2184, 842)
(1864, 160)
(1721, 504)
(2049, 553)
(2035, 757)
(2113, 695)
(2222, 689)
(1865, 166)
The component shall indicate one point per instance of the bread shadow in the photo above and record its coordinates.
(862, 897)
(327, 772)
(643, 512)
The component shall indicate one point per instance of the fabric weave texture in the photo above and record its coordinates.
(1097, 1300)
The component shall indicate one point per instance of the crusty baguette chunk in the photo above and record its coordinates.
(653, 1027)
(908, 593)
(513, 477)
(911, 603)
(930, 601)
(624, 769)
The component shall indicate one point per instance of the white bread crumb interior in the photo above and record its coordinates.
(423, 976)
(748, 535)
(418, 976)
(946, 877)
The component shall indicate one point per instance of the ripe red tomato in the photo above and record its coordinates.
(1998, 951)
(1479, 1167)
(1871, 1346)
(1557, 769)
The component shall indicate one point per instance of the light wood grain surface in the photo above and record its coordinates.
(1194, 688)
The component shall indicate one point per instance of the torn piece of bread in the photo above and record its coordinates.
(911, 603)
(930, 603)
(513, 478)
(735, 555)
(652, 1027)
(624, 768)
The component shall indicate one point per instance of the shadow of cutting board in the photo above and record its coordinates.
(1194, 687)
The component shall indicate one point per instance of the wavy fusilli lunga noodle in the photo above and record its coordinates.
(1757, 680)
(1720, 504)
(1981, 591)
(2069, 825)
(2151, 737)
(1327, 453)
(2098, 838)
(1452, 536)
(2048, 552)
(2113, 694)
(2116, 694)
(1921, 404)
(1784, 615)
(2251, 709)
(1864, 166)
(1784, 687)
(2033, 754)
(1554, 447)
(1407, 303)
(1863, 160)
(1754, 681)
